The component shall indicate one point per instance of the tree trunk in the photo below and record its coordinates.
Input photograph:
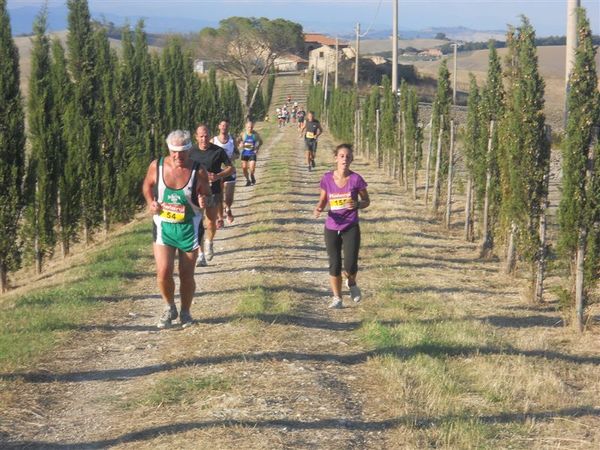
(377, 155)
(487, 240)
(3, 278)
(368, 150)
(428, 163)
(36, 231)
(438, 162)
(404, 154)
(64, 239)
(105, 220)
(579, 279)
(511, 253)
(541, 260)
(450, 176)
(415, 169)
(538, 293)
(469, 211)
(580, 292)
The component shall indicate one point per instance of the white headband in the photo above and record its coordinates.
(180, 148)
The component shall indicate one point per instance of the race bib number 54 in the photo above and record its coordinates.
(172, 212)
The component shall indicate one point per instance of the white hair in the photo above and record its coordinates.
(179, 140)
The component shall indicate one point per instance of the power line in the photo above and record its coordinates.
(374, 19)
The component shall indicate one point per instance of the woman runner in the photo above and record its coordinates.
(345, 192)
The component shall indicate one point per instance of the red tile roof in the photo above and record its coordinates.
(320, 38)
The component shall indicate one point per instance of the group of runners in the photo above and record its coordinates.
(190, 194)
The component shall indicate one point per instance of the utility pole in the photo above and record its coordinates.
(455, 45)
(337, 61)
(357, 49)
(572, 6)
(395, 48)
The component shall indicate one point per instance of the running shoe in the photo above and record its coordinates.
(355, 293)
(313, 163)
(248, 183)
(208, 248)
(336, 303)
(185, 319)
(201, 261)
(253, 179)
(168, 315)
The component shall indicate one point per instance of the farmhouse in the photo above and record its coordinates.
(290, 63)
(431, 53)
(321, 51)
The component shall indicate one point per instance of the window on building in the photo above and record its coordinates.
(321, 54)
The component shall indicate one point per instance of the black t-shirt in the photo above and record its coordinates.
(301, 115)
(212, 159)
(311, 129)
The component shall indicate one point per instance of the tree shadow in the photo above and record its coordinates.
(341, 423)
(350, 359)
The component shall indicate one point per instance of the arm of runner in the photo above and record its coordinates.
(322, 202)
(319, 131)
(225, 161)
(202, 187)
(362, 203)
(148, 188)
(259, 142)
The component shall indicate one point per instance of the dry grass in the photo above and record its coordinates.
(442, 353)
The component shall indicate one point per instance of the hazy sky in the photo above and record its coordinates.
(547, 16)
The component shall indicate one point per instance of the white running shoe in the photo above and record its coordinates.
(201, 261)
(336, 303)
(208, 249)
(355, 293)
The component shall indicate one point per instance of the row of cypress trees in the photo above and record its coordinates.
(95, 120)
(506, 148)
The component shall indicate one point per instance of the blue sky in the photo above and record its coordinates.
(547, 16)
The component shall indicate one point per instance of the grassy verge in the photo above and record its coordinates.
(36, 322)
(178, 389)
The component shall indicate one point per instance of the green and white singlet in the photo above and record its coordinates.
(179, 221)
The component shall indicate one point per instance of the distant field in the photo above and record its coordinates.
(551, 61)
(24, 46)
(385, 45)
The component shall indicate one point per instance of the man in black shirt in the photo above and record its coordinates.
(218, 165)
(312, 130)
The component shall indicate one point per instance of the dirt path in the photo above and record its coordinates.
(269, 366)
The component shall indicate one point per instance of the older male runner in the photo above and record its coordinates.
(214, 159)
(175, 189)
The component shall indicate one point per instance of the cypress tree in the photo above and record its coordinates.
(475, 153)
(580, 201)
(492, 108)
(67, 198)
(525, 145)
(388, 119)
(234, 111)
(106, 110)
(42, 168)
(12, 149)
(84, 123)
(441, 119)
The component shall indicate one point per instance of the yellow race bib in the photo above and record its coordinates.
(310, 135)
(172, 212)
(339, 201)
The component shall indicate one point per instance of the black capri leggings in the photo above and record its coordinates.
(349, 241)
